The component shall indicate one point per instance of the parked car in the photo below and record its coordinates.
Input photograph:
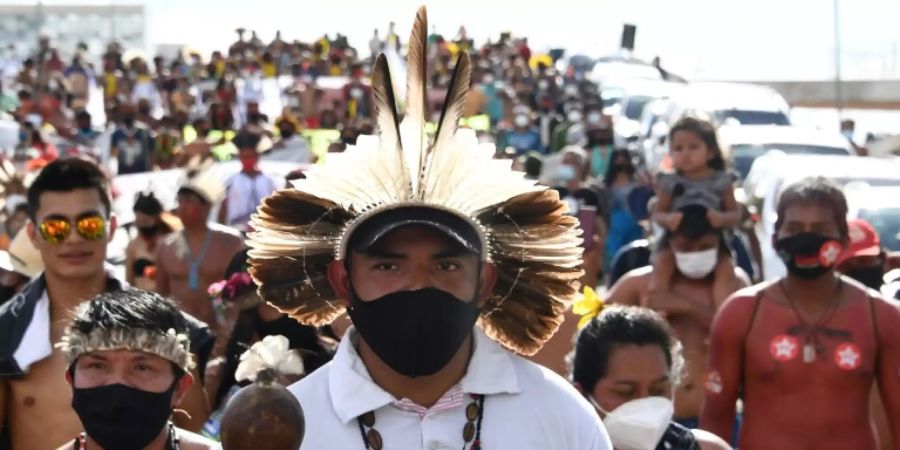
(878, 205)
(730, 104)
(636, 95)
(743, 144)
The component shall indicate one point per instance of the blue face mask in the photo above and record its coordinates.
(565, 172)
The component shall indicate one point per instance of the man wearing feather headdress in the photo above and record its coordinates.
(418, 240)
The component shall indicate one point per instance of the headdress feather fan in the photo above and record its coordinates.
(524, 228)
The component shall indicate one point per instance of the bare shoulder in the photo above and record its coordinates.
(741, 278)
(68, 445)
(225, 233)
(709, 441)
(740, 306)
(751, 292)
(169, 240)
(193, 441)
(639, 274)
(629, 288)
(635, 277)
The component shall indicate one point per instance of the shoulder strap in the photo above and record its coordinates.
(874, 329)
(757, 299)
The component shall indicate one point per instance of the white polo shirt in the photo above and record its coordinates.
(526, 407)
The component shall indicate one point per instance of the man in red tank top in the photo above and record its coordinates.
(803, 351)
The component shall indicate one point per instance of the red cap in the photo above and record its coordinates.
(863, 240)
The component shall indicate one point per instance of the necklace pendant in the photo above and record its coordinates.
(809, 353)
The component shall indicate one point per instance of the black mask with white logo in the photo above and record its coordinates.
(808, 255)
(417, 332)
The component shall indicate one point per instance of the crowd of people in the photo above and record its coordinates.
(379, 283)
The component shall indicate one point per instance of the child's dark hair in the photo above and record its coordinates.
(67, 175)
(615, 327)
(818, 190)
(707, 133)
(694, 225)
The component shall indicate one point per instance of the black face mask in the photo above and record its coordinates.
(808, 255)
(287, 132)
(872, 277)
(600, 140)
(148, 231)
(120, 417)
(414, 332)
(128, 121)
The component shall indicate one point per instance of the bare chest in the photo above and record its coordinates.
(40, 408)
(839, 350)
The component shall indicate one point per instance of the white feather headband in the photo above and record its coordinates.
(172, 346)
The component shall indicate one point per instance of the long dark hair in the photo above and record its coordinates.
(147, 203)
(612, 171)
(615, 327)
(707, 133)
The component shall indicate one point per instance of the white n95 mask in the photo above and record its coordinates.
(697, 265)
(639, 424)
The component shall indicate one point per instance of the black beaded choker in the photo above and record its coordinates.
(471, 431)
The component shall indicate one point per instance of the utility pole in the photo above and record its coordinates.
(838, 94)
(112, 20)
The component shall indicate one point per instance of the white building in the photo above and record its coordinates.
(68, 25)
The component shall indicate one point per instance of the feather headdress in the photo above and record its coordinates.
(200, 179)
(523, 228)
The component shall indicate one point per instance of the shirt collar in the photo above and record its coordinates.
(353, 393)
(36, 343)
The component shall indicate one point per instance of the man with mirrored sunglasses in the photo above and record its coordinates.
(71, 224)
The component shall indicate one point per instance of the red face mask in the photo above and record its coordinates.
(248, 163)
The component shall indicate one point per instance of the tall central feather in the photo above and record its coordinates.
(389, 121)
(412, 129)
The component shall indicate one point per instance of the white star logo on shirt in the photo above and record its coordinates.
(784, 347)
(847, 356)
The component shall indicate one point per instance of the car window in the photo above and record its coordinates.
(886, 222)
(747, 117)
(743, 155)
(635, 106)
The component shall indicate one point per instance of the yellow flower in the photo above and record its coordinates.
(588, 307)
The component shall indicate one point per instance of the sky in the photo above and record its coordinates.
(751, 40)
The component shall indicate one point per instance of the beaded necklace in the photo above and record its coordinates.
(471, 431)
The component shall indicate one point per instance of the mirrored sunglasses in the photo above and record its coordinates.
(55, 231)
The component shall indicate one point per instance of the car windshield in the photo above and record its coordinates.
(747, 117)
(635, 106)
(611, 96)
(886, 222)
(743, 155)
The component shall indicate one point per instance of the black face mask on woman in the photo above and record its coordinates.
(417, 332)
(120, 417)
